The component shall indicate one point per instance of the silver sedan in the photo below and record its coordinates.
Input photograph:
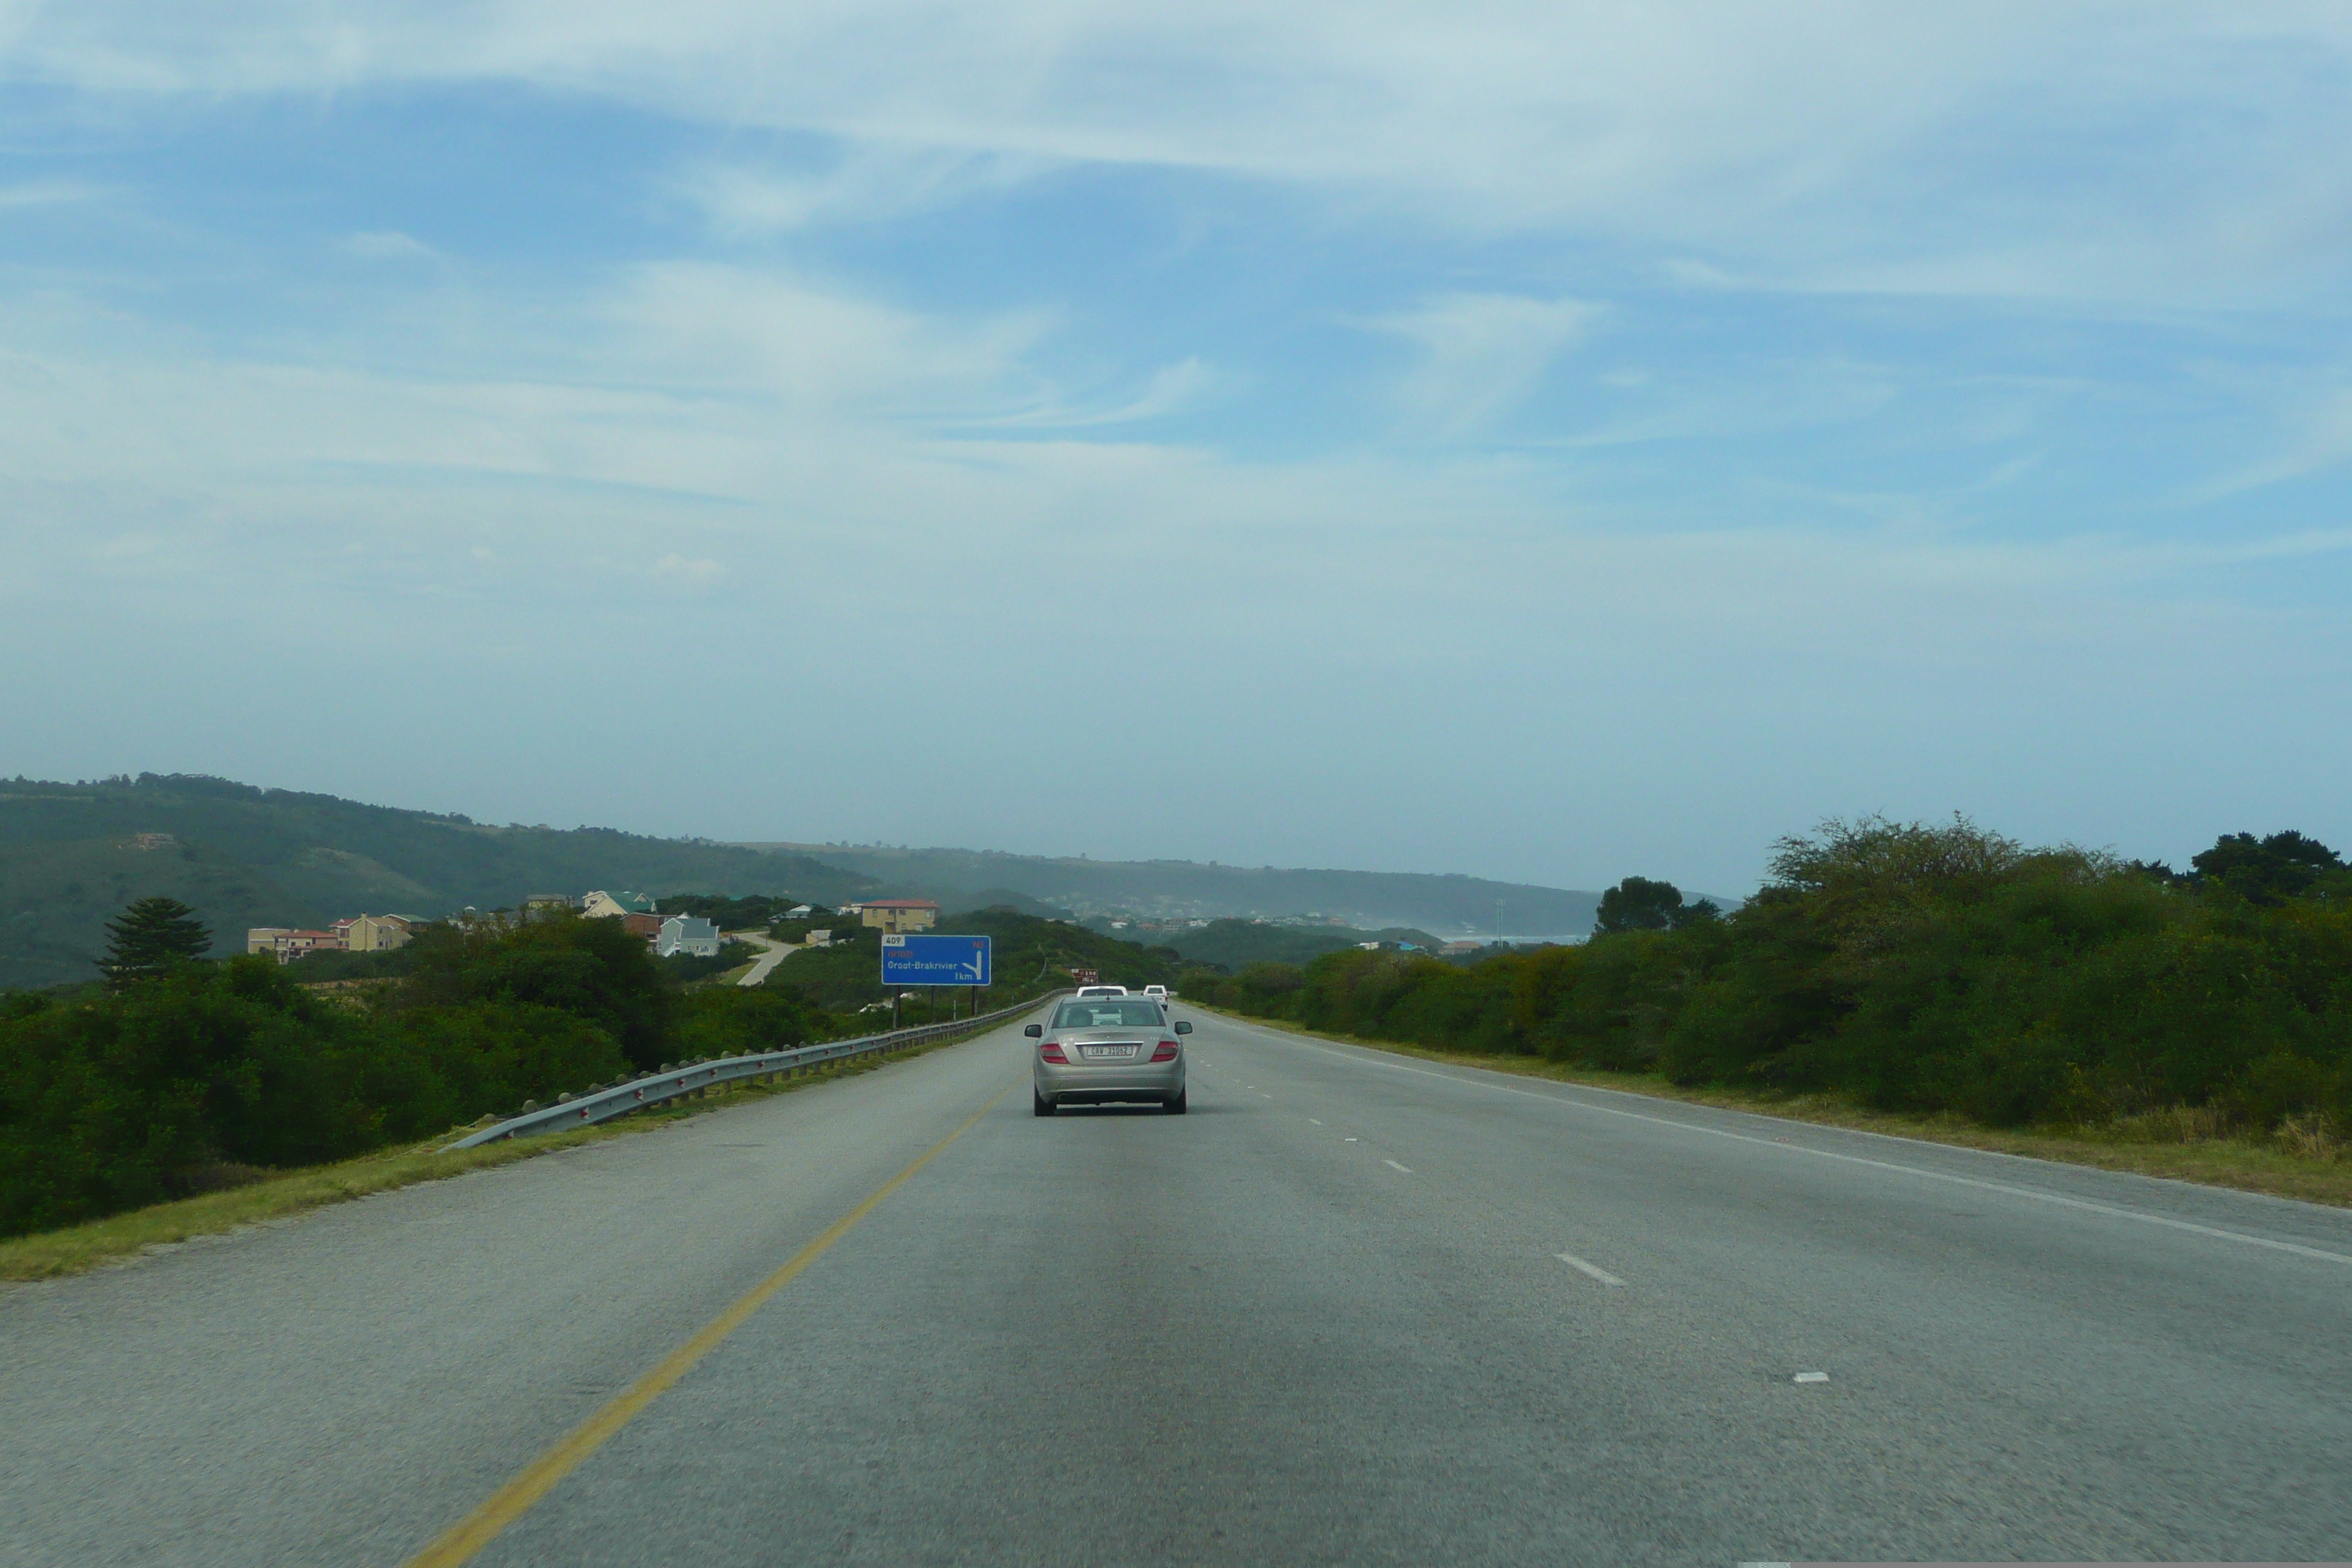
(1106, 1048)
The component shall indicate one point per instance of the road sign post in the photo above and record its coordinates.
(928, 959)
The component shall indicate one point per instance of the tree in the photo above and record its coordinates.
(1638, 904)
(2266, 870)
(592, 968)
(150, 936)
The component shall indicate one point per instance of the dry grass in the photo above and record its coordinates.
(245, 1195)
(2304, 1160)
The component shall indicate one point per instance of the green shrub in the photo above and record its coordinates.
(1917, 967)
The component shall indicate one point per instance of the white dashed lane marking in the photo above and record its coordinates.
(1392, 1165)
(1592, 1271)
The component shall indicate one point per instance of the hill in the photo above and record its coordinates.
(1232, 943)
(1171, 890)
(73, 855)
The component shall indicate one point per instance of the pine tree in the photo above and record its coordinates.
(150, 937)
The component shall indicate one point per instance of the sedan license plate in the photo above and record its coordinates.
(1108, 1053)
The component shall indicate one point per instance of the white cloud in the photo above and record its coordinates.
(700, 570)
(2318, 436)
(819, 351)
(47, 193)
(2197, 147)
(389, 245)
(1171, 389)
(1738, 681)
(869, 183)
(1484, 355)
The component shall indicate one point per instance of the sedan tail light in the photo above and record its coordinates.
(1053, 1053)
(1165, 1051)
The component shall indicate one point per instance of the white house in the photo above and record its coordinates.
(798, 912)
(689, 934)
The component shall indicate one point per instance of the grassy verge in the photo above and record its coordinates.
(282, 1194)
(2181, 1146)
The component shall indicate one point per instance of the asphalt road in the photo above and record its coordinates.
(1353, 1309)
(771, 953)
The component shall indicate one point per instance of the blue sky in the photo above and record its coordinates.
(1552, 442)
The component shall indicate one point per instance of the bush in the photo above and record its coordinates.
(121, 1100)
(592, 969)
(735, 1021)
(1918, 967)
(125, 1097)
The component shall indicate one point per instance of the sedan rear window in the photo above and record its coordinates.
(1110, 1013)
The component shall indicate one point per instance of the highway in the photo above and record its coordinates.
(1353, 1309)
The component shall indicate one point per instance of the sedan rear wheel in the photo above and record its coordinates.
(1039, 1105)
(1176, 1106)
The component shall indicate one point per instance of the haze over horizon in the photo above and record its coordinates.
(1544, 446)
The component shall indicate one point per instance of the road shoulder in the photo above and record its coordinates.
(2240, 1164)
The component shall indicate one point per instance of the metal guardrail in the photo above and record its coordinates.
(656, 1088)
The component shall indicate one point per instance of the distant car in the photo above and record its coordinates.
(1102, 1049)
(1159, 994)
(1102, 990)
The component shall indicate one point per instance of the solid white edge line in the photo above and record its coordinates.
(1581, 1267)
(2016, 1192)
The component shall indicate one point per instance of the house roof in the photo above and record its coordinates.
(900, 904)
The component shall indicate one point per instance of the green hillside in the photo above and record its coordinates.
(1371, 901)
(245, 857)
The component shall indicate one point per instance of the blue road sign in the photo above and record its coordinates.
(911, 960)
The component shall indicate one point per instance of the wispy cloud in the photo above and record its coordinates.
(867, 184)
(1484, 354)
(1171, 389)
(1913, 148)
(821, 351)
(49, 194)
(2317, 437)
(389, 245)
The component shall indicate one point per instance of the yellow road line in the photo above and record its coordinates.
(515, 1498)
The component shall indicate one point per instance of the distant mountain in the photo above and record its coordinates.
(1161, 889)
(73, 855)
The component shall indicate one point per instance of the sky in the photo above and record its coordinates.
(1545, 441)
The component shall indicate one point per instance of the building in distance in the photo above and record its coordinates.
(895, 915)
(601, 905)
(354, 933)
(374, 933)
(688, 934)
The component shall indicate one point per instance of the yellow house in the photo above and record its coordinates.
(374, 933)
(900, 914)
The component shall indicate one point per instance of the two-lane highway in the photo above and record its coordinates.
(1352, 1308)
